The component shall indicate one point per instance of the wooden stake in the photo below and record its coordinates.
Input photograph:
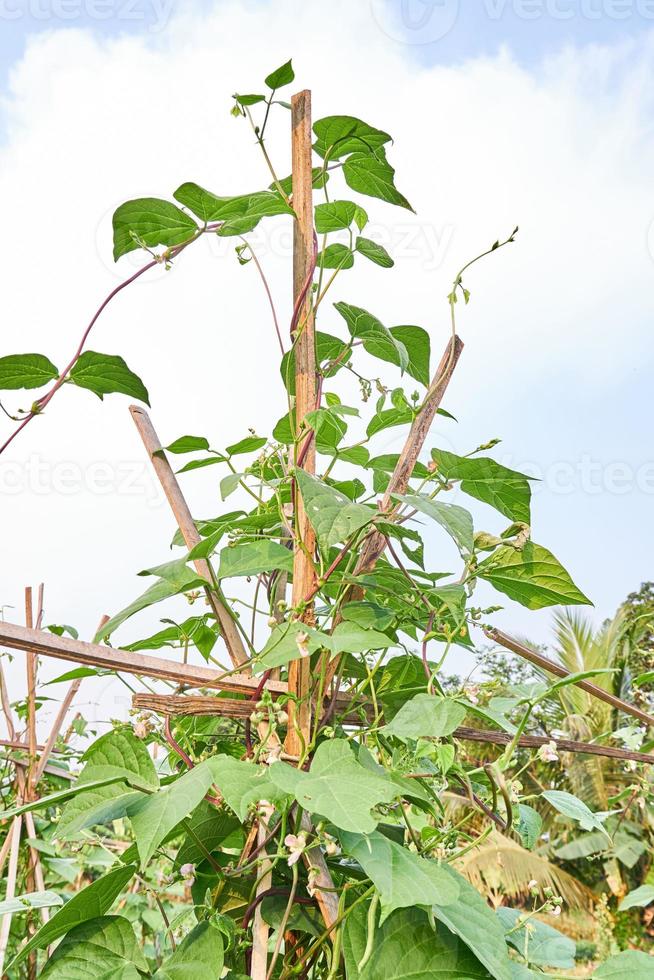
(31, 690)
(10, 892)
(375, 543)
(58, 723)
(299, 671)
(186, 524)
(123, 661)
(562, 744)
(509, 643)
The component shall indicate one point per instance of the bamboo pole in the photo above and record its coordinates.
(10, 892)
(299, 671)
(58, 723)
(509, 643)
(186, 524)
(375, 543)
(31, 691)
(563, 744)
(124, 661)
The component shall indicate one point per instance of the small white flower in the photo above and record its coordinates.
(548, 753)
(532, 884)
(302, 641)
(312, 881)
(296, 844)
(471, 691)
(556, 910)
(141, 729)
(274, 754)
(188, 871)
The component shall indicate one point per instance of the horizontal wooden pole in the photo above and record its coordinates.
(509, 643)
(107, 658)
(207, 705)
(562, 744)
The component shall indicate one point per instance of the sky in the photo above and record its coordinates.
(503, 113)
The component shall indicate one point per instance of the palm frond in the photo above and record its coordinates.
(503, 868)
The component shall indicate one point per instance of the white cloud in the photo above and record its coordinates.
(565, 150)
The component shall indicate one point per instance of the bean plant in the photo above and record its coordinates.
(201, 837)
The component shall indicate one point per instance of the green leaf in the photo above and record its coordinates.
(156, 593)
(72, 675)
(154, 817)
(576, 809)
(103, 948)
(336, 256)
(337, 787)
(120, 753)
(402, 878)
(473, 921)
(248, 445)
(506, 490)
(229, 484)
(105, 374)
(374, 251)
(198, 464)
(340, 135)
(418, 347)
(328, 349)
(529, 826)
(407, 947)
(248, 207)
(33, 900)
(199, 957)
(26, 371)
(250, 99)
(546, 946)
(89, 903)
(282, 646)
(188, 444)
(153, 222)
(630, 965)
(281, 76)
(333, 517)
(334, 216)
(374, 176)
(93, 807)
(426, 715)
(456, 520)
(377, 339)
(210, 827)
(532, 576)
(53, 799)
(253, 558)
(638, 898)
(244, 783)
(387, 419)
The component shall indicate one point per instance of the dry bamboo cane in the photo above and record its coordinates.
(186, 524)
(509, 643)
(10, 892)
(304, 576)
(58, 723)
(562, 744)
(375, 542)
(124, 661)
(31, 691)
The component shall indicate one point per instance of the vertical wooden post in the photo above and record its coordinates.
(299, 675)
(31, 693)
